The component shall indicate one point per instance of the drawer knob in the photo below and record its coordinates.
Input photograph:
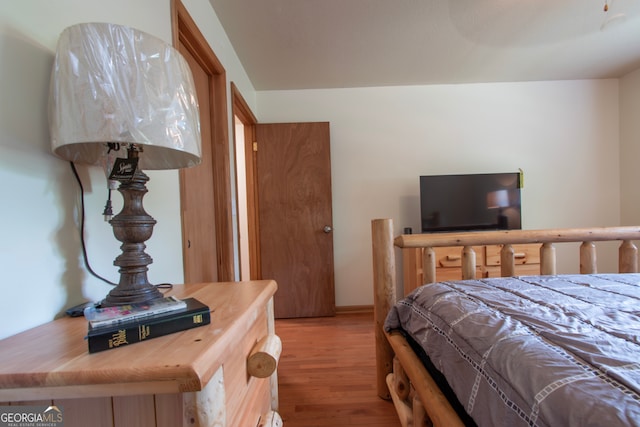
(263, 359)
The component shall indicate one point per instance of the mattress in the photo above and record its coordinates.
(533, 350)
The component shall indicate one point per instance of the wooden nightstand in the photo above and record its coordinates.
(197, 377)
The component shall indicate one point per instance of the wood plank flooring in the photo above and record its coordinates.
(327, 374)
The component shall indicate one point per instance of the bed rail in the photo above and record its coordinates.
(384, 277)
(627, 257)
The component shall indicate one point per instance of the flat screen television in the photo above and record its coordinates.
(470, 202)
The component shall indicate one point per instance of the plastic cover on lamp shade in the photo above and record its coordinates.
(112, 83)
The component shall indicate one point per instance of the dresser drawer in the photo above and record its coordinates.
(521, 270)
(453, 273)
(247, 397)
(451, 256)
(522, 254)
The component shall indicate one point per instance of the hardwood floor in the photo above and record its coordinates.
(327, 374)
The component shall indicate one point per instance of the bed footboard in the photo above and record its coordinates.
(392, 384)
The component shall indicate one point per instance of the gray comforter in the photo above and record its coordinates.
(535, 350)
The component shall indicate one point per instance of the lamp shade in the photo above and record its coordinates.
(115, 84)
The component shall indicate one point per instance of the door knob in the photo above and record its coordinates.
(327, 229)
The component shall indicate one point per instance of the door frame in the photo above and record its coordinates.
(242, 111)
(186, 31)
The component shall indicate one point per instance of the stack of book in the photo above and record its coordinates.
(112, 327)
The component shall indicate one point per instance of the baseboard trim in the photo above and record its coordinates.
(352, 309)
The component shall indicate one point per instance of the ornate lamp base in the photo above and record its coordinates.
(133, 226)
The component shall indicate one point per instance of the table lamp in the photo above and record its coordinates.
(117, 90)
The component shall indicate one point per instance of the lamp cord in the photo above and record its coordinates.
(82, 242)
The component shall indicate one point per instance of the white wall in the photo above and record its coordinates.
(564, 135)
(630, 148)
(40, 257)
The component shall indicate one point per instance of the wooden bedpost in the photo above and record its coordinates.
(384, 296)
(468, 262)
(428, 266)
(507, 261)
(628, 257)
(547, 259)
(588, 263)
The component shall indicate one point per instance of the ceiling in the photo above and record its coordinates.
(310, 44)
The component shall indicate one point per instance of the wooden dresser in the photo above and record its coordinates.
(449, 262)
(197, 377)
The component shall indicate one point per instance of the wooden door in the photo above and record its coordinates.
(198, 217)
(205, 191)
(295, 216)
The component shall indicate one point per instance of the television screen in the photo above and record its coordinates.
(470, 202)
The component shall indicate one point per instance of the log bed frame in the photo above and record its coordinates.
(401, 376)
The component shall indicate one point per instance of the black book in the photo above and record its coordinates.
(142, 329)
